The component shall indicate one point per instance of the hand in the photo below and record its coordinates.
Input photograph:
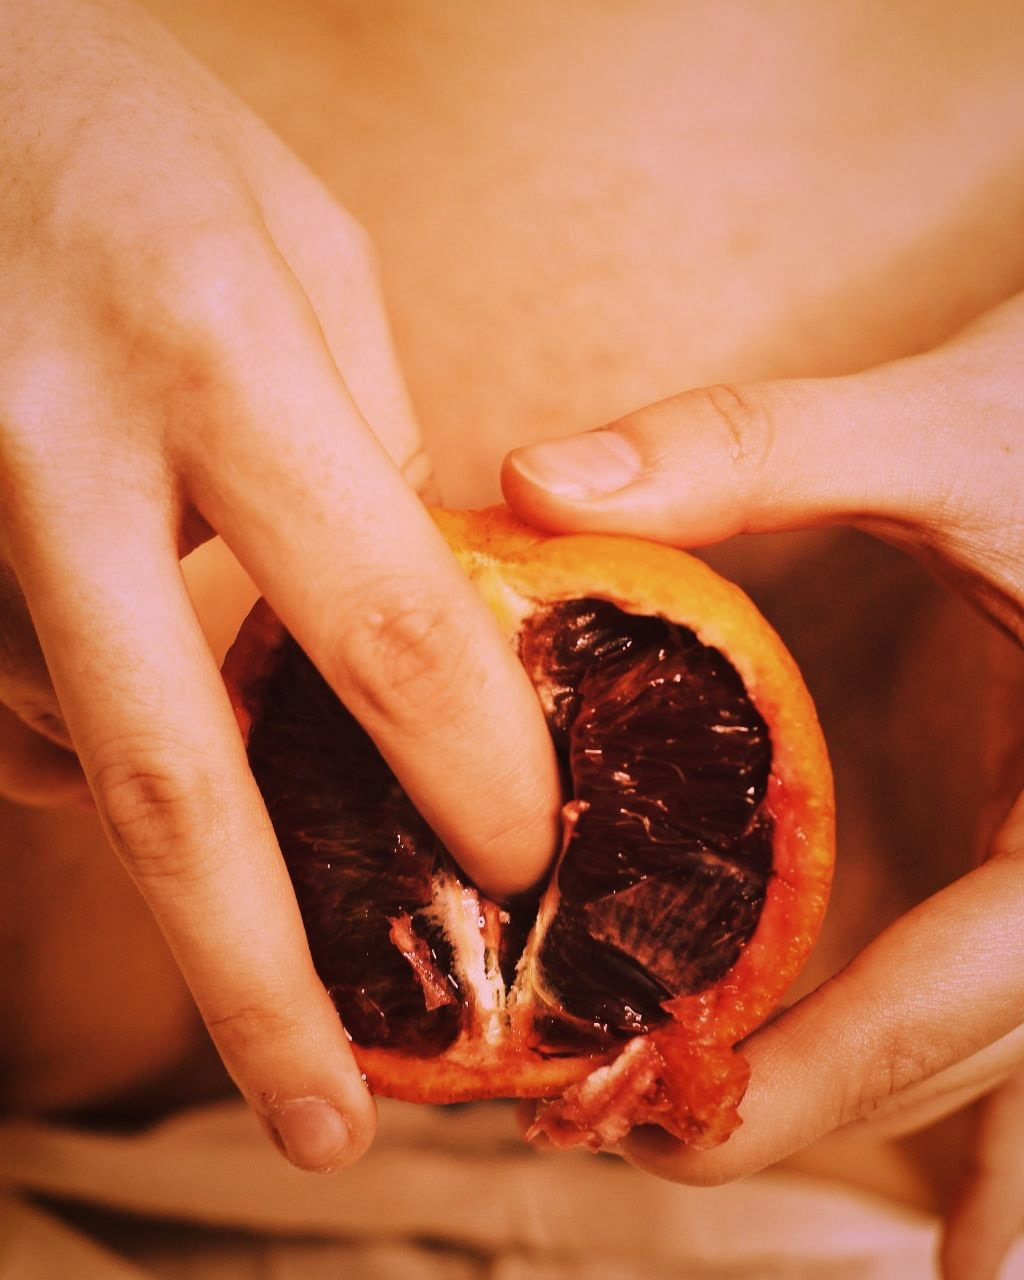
(192, 341)
(928, 453)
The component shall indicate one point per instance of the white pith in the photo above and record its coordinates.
(528, 996)
(457, 909)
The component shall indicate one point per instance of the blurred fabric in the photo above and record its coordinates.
(451, 1194)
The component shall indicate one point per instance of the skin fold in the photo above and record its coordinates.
(563, 216)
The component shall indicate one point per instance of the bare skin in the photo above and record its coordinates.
(578, 213)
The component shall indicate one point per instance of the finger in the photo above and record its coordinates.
(157, 738)
(937, 986)
(962, 1083)
(354, 566)
(25, 685)
(989, 1213)
(927, 452)
(724, 460)
(947, 1091)
(335, 262)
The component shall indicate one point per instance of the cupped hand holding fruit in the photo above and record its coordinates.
(928, 453)
(192, 341)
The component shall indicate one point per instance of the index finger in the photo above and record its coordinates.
(356, 569)
(151, 721)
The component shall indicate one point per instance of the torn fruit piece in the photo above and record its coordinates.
(691, 1089)
(693, 877)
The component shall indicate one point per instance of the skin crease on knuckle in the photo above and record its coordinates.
(744, 427)
(748, 423)
(902, 1058)
(184, 343)
(399, 659)
(159, 804)
(239, 1027)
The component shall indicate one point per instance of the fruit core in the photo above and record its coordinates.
(660, 884)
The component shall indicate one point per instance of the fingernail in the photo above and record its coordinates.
(311, 1133)
(593, 465)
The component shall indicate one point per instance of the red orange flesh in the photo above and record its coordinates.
(701, 1079)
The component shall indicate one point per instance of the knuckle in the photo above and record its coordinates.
(747, 421)
(229, 320)
(399, 656)
(215, 278)
(264, 1023)
(156, 803)
(204, 296)
(208, 294)
(902, 1058)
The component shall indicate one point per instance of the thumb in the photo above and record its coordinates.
(930, 444)
(927, 452)
(703, 466)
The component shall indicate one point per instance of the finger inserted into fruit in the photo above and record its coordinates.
(694, 870)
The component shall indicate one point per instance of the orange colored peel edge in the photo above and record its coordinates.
(515, 566)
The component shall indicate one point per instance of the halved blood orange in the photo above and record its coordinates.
(693, 876)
